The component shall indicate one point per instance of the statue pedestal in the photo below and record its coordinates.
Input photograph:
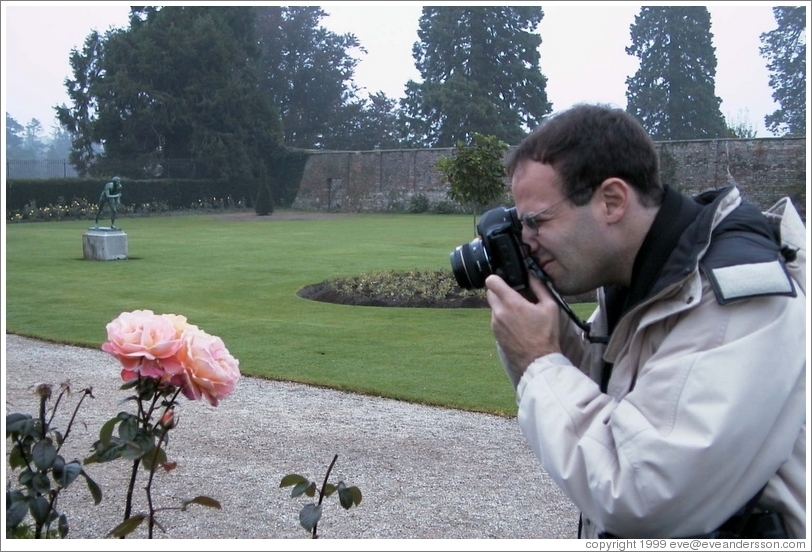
(103, 243)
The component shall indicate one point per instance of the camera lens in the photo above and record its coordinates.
(470, 265)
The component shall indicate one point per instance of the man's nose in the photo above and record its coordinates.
(529, 239)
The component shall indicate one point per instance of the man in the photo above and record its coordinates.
(111, 196)
(687, 396)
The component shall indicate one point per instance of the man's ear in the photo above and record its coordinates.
(615, 196)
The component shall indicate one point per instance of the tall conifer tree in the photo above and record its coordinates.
(785, 51)
(306, 71)
(480, 70)
(673, 91)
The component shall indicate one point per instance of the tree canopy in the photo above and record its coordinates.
(673, 91)
(365, 124)
(25, 141)
(228, 87)
(785, 51)
(180, 82)
(476, 172)
(307, 72)
(480, 71)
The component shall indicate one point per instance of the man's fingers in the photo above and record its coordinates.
(494, 283)
(539, 288)
(500, 288)
(496, 289)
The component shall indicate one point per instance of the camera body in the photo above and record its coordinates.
(499, 250)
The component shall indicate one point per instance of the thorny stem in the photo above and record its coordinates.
(85, 393)
(321, 491)
(43, 423)
(51, 507)
(56, 405)
(164, 433)
(128, 503)
(38, 526)
(145, 416)
(149, 481)
(44, 427)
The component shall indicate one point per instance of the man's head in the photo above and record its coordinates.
(587, 144)
(586, 188)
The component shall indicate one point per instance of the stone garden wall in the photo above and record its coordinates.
(765, 169)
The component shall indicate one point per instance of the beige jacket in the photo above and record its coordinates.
(706, 404)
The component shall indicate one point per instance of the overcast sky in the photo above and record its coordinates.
(582, 53)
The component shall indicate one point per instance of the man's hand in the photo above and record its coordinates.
(524, 330)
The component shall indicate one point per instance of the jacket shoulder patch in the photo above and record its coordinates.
(742, 264)
(750, 280)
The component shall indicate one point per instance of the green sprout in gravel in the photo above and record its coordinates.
(310, 514)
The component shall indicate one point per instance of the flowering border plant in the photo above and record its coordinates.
(161, 356)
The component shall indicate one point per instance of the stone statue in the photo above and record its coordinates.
(110, 196)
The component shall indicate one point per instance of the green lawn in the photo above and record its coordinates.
(238, 280)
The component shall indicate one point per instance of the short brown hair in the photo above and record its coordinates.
(586, 144)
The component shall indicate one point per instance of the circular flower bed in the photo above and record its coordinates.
(420, 289)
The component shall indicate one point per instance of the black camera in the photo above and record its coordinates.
(499, 250)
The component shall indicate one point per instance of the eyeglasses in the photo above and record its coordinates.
(531, 222)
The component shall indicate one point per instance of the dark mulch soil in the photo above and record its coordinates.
(404, 296)
(325, 293)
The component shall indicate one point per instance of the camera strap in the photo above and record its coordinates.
(533, 266)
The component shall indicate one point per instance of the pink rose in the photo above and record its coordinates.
(209, 369)
(146, 344)
(180, 323)
(172, 365)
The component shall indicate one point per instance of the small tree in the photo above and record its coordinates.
(264, 203)
(475, 173)
(740, 126)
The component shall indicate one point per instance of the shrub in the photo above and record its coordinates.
(418, 203)
(264, 203)
(445, 208)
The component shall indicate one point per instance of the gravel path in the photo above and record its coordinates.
(425, 473)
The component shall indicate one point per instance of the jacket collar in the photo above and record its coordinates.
(667, 256)
(662, 242)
